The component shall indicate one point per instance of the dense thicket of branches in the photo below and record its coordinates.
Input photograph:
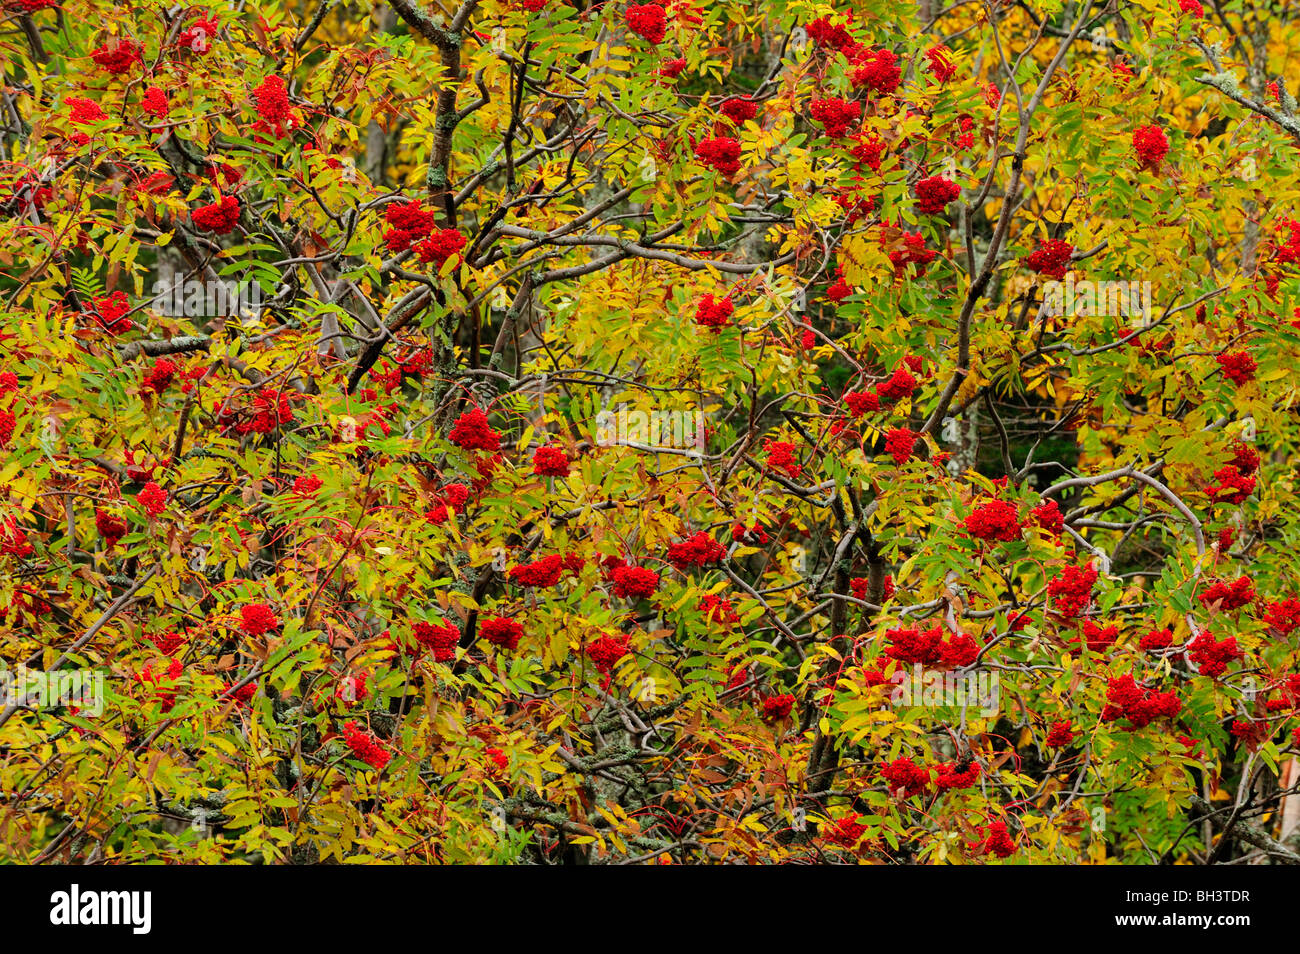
(697, 432)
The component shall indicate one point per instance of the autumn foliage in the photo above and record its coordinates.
(543, 431)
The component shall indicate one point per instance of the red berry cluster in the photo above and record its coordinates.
(722, 154)
(780, 456)
(441, 640)
(868, 152)
(275, 116)
(1060, 735)
(1125, 699)
(1212, 657)
(876, 70)
(1051, 258)
(696, 551)
(931, 647)
(256, 619)
(473, 432)
(118, 55)
(452, 497)
(716, 609)
(899, 385)
(306, 485)
(365, 746)
(1151, 146)
(899, 443)
(836, 115)
(159, 377)
(824, 33)
(905, 778)
(1048, 516)
(1072, 590)
(995, 520)
(268, 410)
(912, 252)
(738, 110)
(153, 498)
(408, 223)
(112, 313)
(111, 528)
(220, 217)
(352, 689)
(198, 38)
(168, 643)
(934, 193)
(844, 832)
(860, 402)
(856, 206)
(82, 112)
(242, 695)
(1283, 616)
(632, 582)
(753, 534)
(551, 462)
(859, 585)
(540, 573)
(776, 708)
(1236, 480)
(1098, 639)
(501, 631)
(952, 775)
(1156, 641)
(713, 312)
(154, 103)
(996, 841)
(647, 21)
(1230, 596)
(495, 755)
(166, 697)
(606, 651)
(1238, 366)
(673, 68)
(439, 247)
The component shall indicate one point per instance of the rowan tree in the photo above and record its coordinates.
(545, 431)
